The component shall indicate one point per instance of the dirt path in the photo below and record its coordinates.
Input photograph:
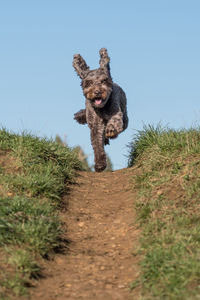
(99, 263)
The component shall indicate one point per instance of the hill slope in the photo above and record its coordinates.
(167, 186)
(151, 210)
(34, 174)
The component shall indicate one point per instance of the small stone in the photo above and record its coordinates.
(102, 268)
(117, 221)
(108, 286)
(59, 261)
(121, 286)
(68, 285)
(81, 224)
(92, 281)
(159, 193)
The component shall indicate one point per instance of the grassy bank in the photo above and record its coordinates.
(34, 174)
(167, 164)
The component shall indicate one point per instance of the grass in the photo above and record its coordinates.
(168, 209)
(34, 174)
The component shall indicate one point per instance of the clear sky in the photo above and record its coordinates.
(154, 47)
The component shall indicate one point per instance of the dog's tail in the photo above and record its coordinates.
(80, 116)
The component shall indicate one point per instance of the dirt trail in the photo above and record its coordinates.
(100, 225)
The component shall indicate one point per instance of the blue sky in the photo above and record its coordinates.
(155, 56)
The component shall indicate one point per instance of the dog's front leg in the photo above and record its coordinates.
(98, 139)
(114, 126)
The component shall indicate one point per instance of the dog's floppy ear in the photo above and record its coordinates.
(80, 66)
(104, 59)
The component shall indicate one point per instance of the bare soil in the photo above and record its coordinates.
(100, 226)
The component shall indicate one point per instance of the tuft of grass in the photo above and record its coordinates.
(163, 141)
(29, 221)
(167, 183)
(34, 174)
(23, 262)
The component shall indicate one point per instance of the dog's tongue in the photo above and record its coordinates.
(98, 101)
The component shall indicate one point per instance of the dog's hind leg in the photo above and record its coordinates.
(125, 119)
(98, 140)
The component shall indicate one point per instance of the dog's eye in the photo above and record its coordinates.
(87, 83)
(103, 80)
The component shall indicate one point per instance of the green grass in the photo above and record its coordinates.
(34, 174)
(167, 183)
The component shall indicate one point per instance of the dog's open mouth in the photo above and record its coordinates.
(98, 101)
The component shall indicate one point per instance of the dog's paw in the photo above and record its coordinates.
(99, 168)
(111, 132)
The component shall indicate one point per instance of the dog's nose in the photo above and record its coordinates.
(97, 92)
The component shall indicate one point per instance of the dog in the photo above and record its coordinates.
(106, 105)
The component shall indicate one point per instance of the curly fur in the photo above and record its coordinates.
(106, 112)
